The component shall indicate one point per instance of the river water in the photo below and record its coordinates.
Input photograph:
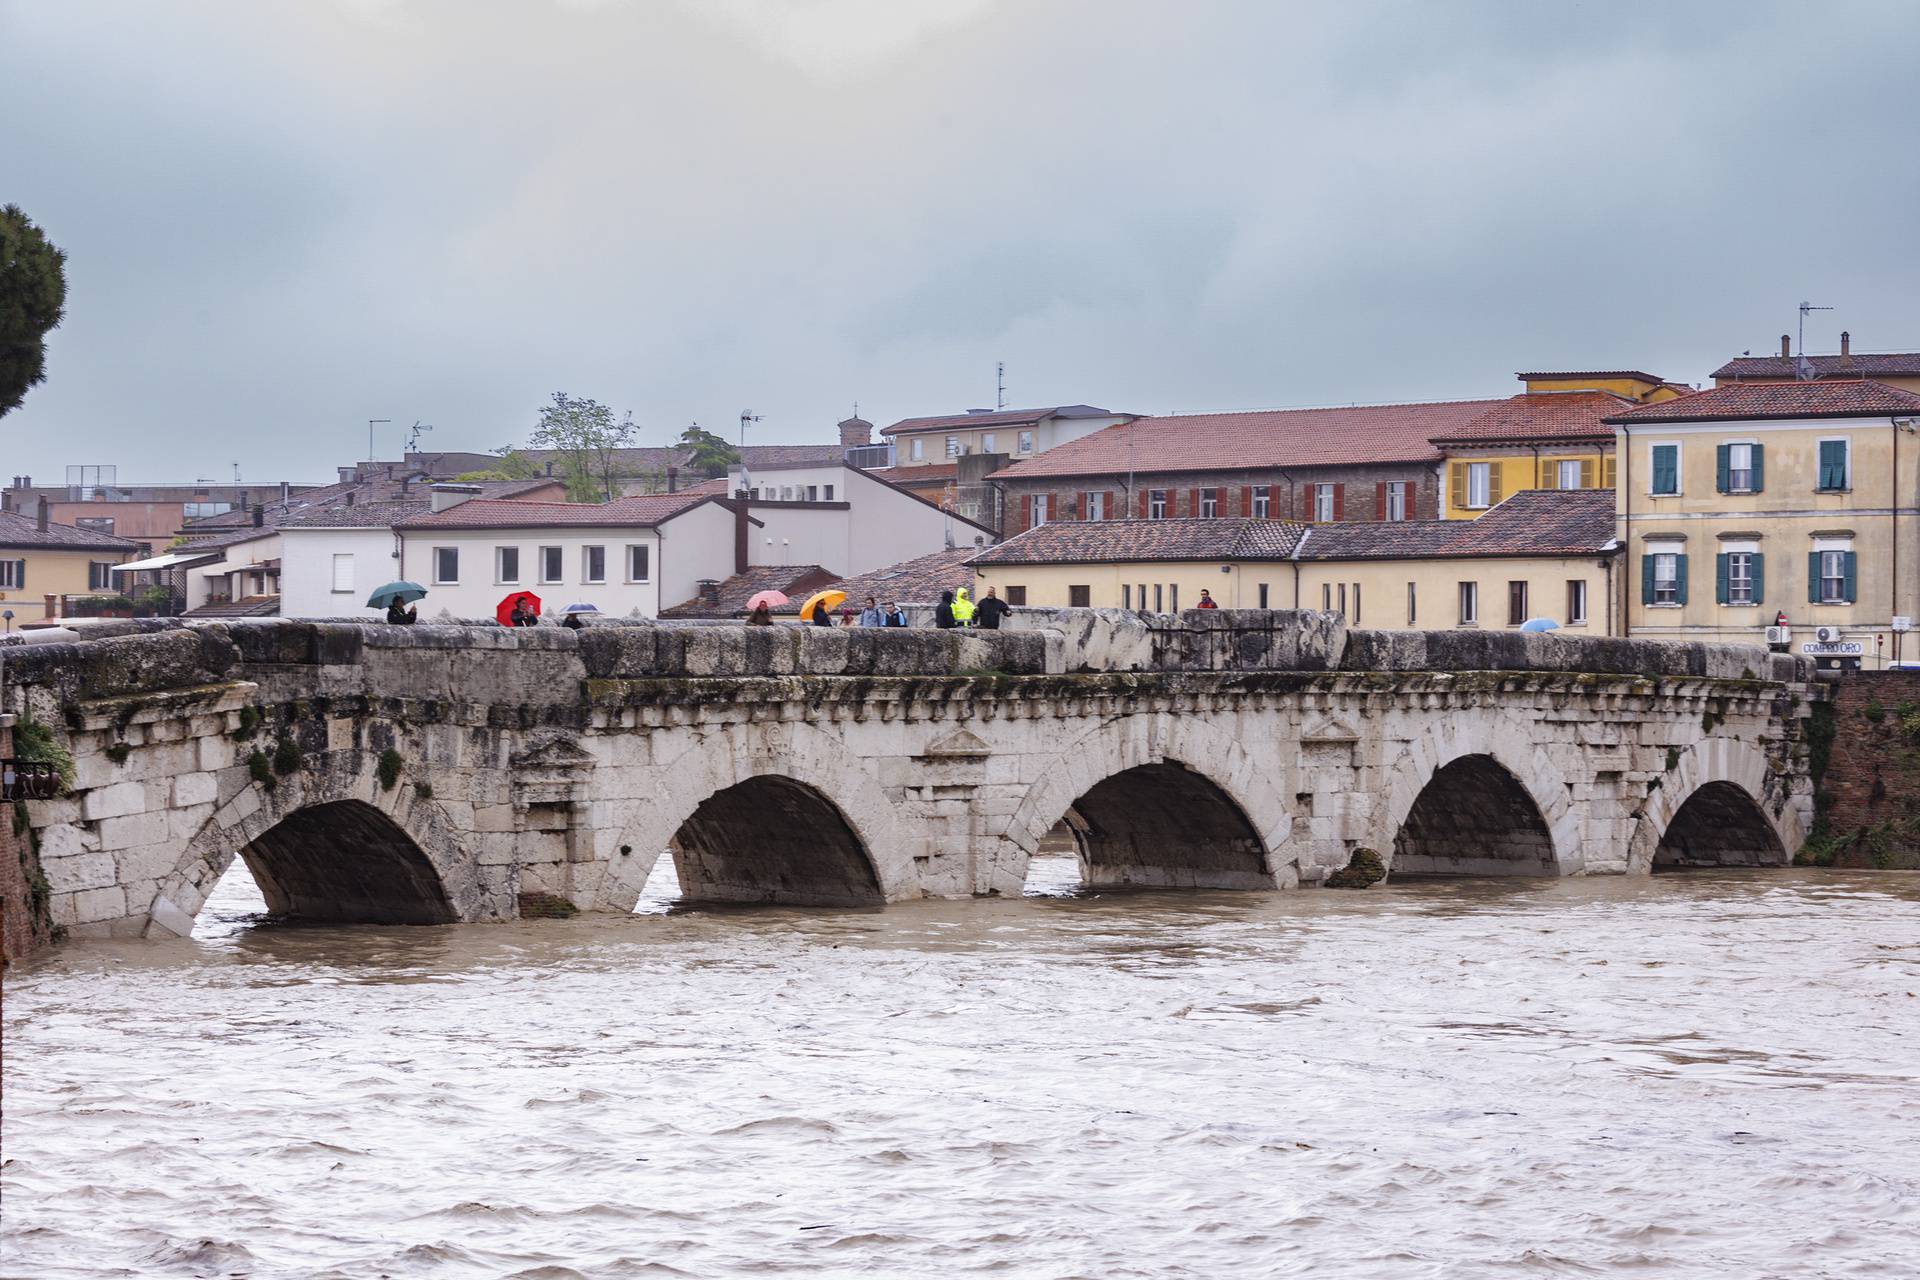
(1693, 1076)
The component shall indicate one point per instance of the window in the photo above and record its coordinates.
(1142, 597)
(1156, 597)
(1413, 602)
(919, 449)
(94, 524)
(100, 575)
(1156, 504)
(986, 443)
(1037, 508)
(1263, 596)
(1479, 484)
(1663, 578)
(1576, 601)
(1095, 506)
(446, 564)
(1026, 442)
(1341, 603)
(1209, 502)
(1831, 576)
(1469, 603)
(1262, 505)
(813, 493)
(1173, 597)
(1356, 604)
(638, 562)
(1567, 474)
(13, 574)
(1738, 466)
(1079, 597)
(1016, 595)
(1326, 597)
(1396, 500)
(506, 564)
(343, 571)
(593, 564)
(201, 510)
(1834, 469)
(1323, 502)
(953, 446)
(826, 494)
(1663, 469)
(1516, 603)
(1126, 595)
(1736, 577)
(551, 566)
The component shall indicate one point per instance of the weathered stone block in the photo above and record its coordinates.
(92, 905)
(78, 871)
(113, 801)
(195, 788)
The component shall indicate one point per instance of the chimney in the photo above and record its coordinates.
(1846, 343)
(346, 474)
(6, 499)
(349, 499)
(673, 478)
(40, 516)
(406, 485)
(286, 490)
(259, 517)
(1786, 346)
(741, 535)
(448, 496)
(709, 591)
(855, 432)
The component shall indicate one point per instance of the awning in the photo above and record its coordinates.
(171, 560)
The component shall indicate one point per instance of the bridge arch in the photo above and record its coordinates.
(326, 842)
(775, 812)
(1154, 800)
(1471, 797)
(1710, 810)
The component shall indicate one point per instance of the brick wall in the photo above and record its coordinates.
(1871, 788)
(1360, 493)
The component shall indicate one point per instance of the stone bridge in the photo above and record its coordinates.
(437, 774)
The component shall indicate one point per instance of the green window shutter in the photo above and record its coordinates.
(1759, 483)
(1680, 578)
(20, 574)
(1720, 591)
(1852, 563)
(1666, 469)
(1646, 579)
(1759, 561)
(1833, 464)
(1813, 577)
(1721, 455)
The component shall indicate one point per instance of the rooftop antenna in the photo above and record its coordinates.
(370, 426)
(1803, 368)
(236, 473)
(747, 417)
(1000, 384)
(413, 437)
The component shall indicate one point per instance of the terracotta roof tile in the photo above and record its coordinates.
(998, 418)
(1355, 434)
(796, 580)
(1132, 541)
(1533, 522)
(1542, 415)
(17, 530)
(1739, 401)
(917, 581)
(486, 513)
(1865, 364)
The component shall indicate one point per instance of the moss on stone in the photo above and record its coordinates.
(390, 762)
(34, 742)
(1363, 870)
(424, 790)
(119, 751)
(260, 769)
(249, 724)
(287, 756)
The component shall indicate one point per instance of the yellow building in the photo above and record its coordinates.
(1552, 436)
(41, 560)
(1539, 554)
(1758, 502)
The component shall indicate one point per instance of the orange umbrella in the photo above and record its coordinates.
(504, 614)
(831, 598)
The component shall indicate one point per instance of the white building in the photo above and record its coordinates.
(332, 560)
(843, 519)
(1018, 433)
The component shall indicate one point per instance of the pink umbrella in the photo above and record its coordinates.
(771, 599)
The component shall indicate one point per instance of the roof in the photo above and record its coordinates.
(916, 581)
(363, 494)
(641, 511)
(244, 607)
(656, 459)
(1636, 374)
(1739, 401)
(1132, 541)
(1533, 522)
(1865, 364)
(1355, 434)
(730, 601)
(18, 530)
(1542, 415)
(1000, 418)
(917, 477)
(362, 515)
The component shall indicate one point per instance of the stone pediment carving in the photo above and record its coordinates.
(562, 754)
(1329, 729)
(960, 744)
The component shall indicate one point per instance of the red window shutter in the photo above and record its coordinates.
(1246, 501)
(1380, 501)
(1193, 502)
(1339, 502)
(1141, 502)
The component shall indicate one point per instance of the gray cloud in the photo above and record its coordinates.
(284, 220)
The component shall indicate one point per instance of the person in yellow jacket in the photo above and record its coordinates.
(962, 608)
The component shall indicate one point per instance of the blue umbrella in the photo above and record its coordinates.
(581, 608)
(404, 592)
(1539, 624)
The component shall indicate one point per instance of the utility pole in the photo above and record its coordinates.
(370, 426)
(1000, 385)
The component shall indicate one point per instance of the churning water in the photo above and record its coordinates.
(1691, 1076)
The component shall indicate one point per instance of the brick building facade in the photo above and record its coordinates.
(1869, 792)
(1294, 493)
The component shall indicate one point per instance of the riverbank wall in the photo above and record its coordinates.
(26, 925)
(1867, 805)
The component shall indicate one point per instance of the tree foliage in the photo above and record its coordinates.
(708, 453)
(588, 438)
(33, 295)
(513, 465)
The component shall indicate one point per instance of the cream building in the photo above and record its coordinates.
(42, 560)
(1755, 502)
(1017, 433)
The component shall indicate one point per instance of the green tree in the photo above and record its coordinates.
(586, 436)
(708, 453)
(513, 465)
(33, 294)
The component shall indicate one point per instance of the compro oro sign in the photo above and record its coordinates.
(1833, 648)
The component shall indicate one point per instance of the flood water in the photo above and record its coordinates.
(1696, 1075)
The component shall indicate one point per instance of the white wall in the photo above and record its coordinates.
(696, 544)
(306, 571)
(479, 591)
(880, 525)
(202, 582)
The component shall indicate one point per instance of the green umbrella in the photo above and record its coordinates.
(404, 592)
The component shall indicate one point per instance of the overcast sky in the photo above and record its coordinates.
(284, 219)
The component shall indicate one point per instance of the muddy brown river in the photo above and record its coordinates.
(1695, 1075)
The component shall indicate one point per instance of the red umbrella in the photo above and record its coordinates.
(771, 599)
(504, 614)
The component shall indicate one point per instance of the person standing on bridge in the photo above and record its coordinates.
(1206, 600)
(892, 615)
(870, 616)
(761, 616)
(943, 612)
(822, 617)
(400, 615)
(962, 608)
(987, 614)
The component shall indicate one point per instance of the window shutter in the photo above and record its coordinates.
(1680, 578)
(1142, 503)
(1306, 502)
(1540, 468)
(1759, 477)
(1457, 487)
(1851, 562)
(1666, 463)
(1494, 494)
(1193, 502)
(1606, 472)
(1586, 473)
(1759, 564)
(1646, 579)
(1720, 592)
(1339, 502)
(1813, 577)
(1833, 464)
(1721, 481)
(20, 573)
(1380, 501)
